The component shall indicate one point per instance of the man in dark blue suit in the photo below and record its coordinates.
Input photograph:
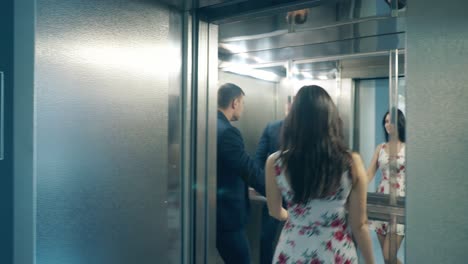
(235, 172)
(268, 144)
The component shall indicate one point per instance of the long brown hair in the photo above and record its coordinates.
(401, 121)
(312, 145)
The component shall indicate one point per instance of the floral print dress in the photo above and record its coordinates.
(316, 232)
(381, 227)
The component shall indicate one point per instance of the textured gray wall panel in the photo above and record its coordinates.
(437, 97)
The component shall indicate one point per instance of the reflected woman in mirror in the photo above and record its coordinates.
(381, 160)
(318, 177)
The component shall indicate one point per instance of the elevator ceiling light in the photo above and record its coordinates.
(232, 47)
(307, 75)
(243, 55)
(255, 73)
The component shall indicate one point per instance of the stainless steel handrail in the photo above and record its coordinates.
(378, 207)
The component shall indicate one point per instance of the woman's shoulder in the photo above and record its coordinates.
(274, 157)
(273, 164)
(357, 165)
(355, 157)
(380, 147)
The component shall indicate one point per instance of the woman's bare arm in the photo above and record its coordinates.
(273, 194)
(373, 166)
(358, 209)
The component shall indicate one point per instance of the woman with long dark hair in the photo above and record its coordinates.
(318, 177)
(381, 160)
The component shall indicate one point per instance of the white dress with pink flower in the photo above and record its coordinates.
(381, 227)
(316, 232)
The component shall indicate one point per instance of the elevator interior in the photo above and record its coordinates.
(356, 51)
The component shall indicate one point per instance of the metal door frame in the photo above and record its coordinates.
(206, 109)
(200, 117)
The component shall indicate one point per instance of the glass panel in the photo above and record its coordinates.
(395, 128)
(380, 104)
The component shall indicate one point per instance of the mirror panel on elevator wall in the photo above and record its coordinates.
(361, 64)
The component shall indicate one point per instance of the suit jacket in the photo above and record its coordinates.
(269, 142)
(235, 172)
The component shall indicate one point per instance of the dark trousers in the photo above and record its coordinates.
(233, 247)
(268, 237)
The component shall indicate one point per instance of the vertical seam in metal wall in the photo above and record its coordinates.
(275, 112)
(356, 84)
(351, 122)
(34, 167)
(206, 201)
(185, 228)
(34, 147)
(193, 129)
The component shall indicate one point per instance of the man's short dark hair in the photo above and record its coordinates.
(227, 93)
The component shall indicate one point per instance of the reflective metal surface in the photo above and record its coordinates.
(250, 18)
(175, 203)
(345, 103)
(211, 136)
(259, 106)
(201, 177)
(103, 81)
(309, 36)
(284, 96)
(186, 5)
(186, 147)
(268, 42)
(343, 47)
(218, 3)
(393, 153)
(238, 10)
(378, 208)
(206, 119)
(181, 5)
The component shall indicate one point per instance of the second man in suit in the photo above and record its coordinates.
(268, 144)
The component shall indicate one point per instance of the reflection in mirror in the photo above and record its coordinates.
(389, 158)
(328, 13)
(383, 146)
(271, 58)
(359, 85)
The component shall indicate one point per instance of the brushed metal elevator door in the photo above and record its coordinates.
(102, 85)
